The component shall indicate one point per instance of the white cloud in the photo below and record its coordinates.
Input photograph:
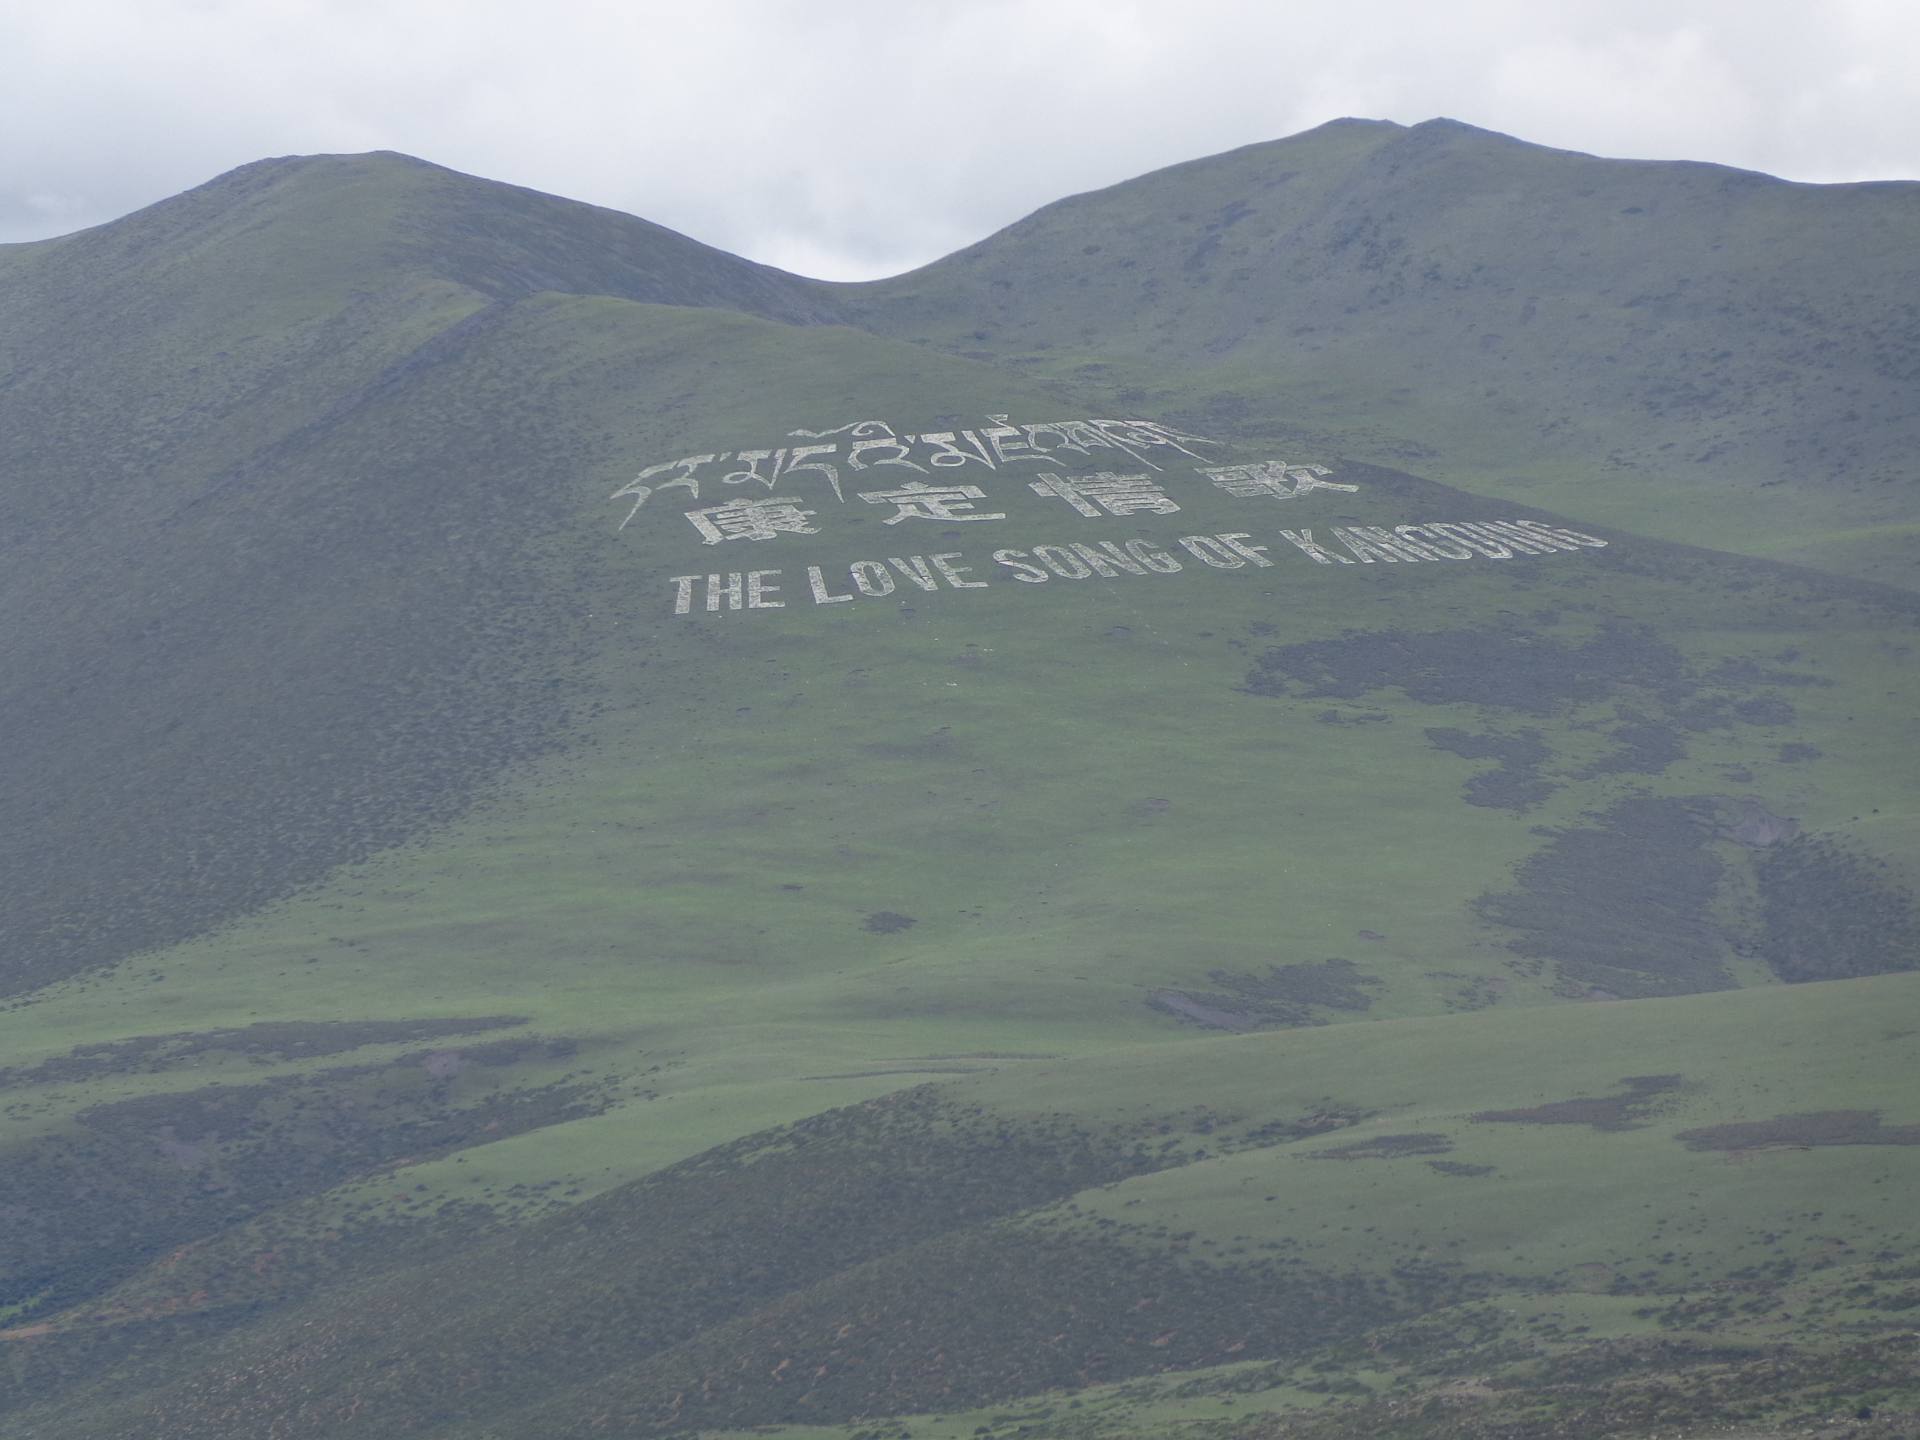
(854, 137)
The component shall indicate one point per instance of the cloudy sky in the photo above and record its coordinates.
(855, 138)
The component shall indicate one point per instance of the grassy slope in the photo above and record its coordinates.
(1084, 795)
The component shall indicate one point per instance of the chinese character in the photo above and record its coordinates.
(920, 501)
(1272, 477)
(751, 519)
(1116, 494)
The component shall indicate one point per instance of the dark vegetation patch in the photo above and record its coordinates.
(89, 1205)
(1643, 747)
(1764, 710)
(1831, 912)
(1720, 710)
(930, 746)
(1187, 1007)
(1336, 984)
(1820, 1127)
(1285, 995)
(1798, 752)
(266, 1040)
(1506, 668)
(1516, 784)
(887, 922)
(1298, 1127)
(1464, 992)
(1460, 1169)
(1626, 1111)
(901, 1070)
(1710, 712)
(1747, 673)
(1388, 1147)
(1623, 906)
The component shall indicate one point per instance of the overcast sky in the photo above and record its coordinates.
(856, 138)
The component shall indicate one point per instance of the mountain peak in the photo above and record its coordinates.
(373, 219)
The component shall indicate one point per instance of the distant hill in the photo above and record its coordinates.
(1278, 802)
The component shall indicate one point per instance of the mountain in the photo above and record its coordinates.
(1222, 813)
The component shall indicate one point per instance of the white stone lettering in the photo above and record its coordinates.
(871, 577)
(949, 454)
(752, 474)
(641, 486)
(1465, 535)
(854, 429)
(1430, 541)
(1391, 546)
(914, 568)
(1153, 557)
(862, 445)
(1591, 542)
(752, 519)
(1304, 539)
(1275, 479)
(1062, 562)
(817, 583)
(773, 467)
(1436, 546)
(1109, 560)
(1237, 542)
(1526, 544)
(1538, 536)
(1138, 436)
(918, 500)
(1364, 550)
(1081, 437)
(1015, 560)
(951, 572)
(1009, 443)
(1211, 551)
(861, 453)
(759, 588)
(1114, 494)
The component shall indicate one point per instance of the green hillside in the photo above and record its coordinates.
(1131, 833)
